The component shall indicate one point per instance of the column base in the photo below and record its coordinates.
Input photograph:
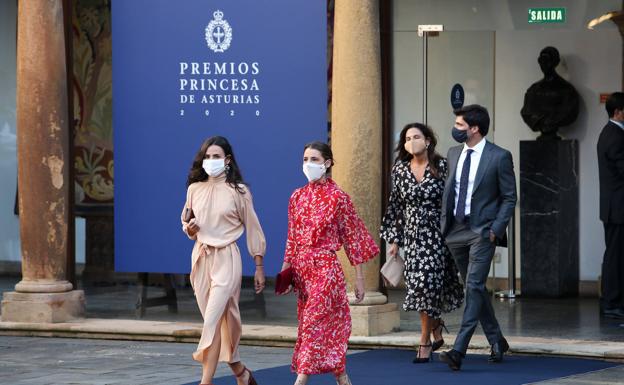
(374, 320)
(43, 286)
(43, 307)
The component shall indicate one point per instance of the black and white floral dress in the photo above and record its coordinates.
(413, 221)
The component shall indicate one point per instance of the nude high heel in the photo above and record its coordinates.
(251, 381)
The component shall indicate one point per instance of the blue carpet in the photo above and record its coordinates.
(386, 367)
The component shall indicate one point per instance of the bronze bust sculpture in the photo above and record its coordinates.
(551, 102)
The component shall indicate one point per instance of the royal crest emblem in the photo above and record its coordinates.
(218, 33)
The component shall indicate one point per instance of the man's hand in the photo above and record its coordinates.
(492, 236)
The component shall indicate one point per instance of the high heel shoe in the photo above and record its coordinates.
(422, 360)
(251, 381)
(438, 344)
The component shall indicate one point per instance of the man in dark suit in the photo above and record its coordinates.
(611, 176)
(479, 199)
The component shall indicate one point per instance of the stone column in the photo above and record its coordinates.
(43, 140)
(357, 144)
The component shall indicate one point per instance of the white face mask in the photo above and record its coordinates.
(314, 171)
(214, 167)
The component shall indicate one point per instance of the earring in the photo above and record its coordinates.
(227, 168)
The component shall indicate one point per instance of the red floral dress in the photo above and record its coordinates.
(321, 219)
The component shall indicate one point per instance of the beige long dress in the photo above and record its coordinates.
(222, 214)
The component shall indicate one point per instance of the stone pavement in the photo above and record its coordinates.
(61, 361)
(42, 361)
(275, 335)
(600, 377)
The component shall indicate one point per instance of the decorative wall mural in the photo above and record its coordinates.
(93, 103)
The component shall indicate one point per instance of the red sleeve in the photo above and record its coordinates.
(290, 240)
(358, 244)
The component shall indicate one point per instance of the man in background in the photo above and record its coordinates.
(611, 176)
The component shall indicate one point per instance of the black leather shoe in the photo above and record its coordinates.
(453, 358)
(498, 351)
(613, 313)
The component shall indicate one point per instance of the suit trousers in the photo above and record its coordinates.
(473, 256)
(613, 267)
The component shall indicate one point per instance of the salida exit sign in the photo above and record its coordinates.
(547, 15)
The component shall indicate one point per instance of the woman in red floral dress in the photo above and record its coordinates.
(321, 219)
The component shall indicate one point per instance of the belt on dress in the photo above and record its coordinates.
(203, 248)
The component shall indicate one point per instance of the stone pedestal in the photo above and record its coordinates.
(43, 307)
(357, 144)
(374, 320)
(44, 161)
(549, 218)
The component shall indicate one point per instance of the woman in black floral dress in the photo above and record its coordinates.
(412, 221)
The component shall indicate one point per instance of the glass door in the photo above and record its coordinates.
(456, 64)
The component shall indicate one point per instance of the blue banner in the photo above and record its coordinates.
(252, 71)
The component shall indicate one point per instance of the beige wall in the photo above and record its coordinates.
(585, 63)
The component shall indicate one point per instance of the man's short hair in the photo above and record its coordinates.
(614, 102)
(475, 115)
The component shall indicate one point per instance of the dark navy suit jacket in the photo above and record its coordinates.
(493, 195)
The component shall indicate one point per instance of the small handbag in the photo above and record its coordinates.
(283, 280)
(392, 271)
(188, 214)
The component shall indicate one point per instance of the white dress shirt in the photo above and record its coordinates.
(475, 158)
(619, 124)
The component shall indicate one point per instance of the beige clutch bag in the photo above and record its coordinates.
(392, 271)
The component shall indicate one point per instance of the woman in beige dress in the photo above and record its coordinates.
(218, 209)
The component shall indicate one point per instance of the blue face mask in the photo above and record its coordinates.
(461, 136)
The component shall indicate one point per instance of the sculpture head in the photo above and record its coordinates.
(548, 60)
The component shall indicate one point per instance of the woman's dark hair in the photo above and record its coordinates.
(233, 175)
(324, 149)
(432, 156)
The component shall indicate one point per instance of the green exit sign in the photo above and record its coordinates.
(547, 15)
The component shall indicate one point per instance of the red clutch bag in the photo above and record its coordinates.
(283, 280)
